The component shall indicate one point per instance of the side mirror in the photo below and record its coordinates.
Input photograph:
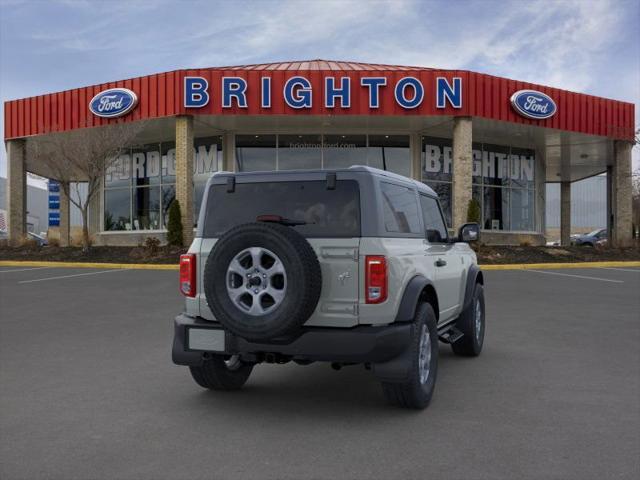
(469, 232)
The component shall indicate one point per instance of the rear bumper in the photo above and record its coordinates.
(360, 344)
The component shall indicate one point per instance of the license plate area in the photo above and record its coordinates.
(206, 339)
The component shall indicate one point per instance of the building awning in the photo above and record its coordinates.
(328, 88)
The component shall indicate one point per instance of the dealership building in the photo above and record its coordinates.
(467, 135)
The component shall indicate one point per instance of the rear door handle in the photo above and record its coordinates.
(440, 263)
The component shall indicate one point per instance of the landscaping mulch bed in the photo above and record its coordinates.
(487, 255)
(500, 255)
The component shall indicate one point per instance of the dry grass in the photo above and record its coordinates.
(28, 243)
(75, 237)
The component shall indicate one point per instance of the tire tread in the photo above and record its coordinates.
(214, 375)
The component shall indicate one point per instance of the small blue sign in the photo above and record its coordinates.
(54, 204)
(54, 187)
(114, 102)
(54, 219)
(533, 104)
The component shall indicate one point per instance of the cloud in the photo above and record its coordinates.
(582, 45)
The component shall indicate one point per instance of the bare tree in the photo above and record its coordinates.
(82, 156)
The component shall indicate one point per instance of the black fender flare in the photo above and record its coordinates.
(474, 275)
(410, 298)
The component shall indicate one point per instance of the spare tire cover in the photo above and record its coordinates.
(262, 281)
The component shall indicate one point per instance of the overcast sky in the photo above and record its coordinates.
(581, 45)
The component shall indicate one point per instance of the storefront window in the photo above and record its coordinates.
(168, 162)
(302, 152)
(207, 160)
(256, 153)
(390, 152)
(299, 152)
(495, 165)
(146, 208)
(145, 165)
(496, 201)
(521, 212)
(168, 195)
(140, 185)
(476, 194)
(343, 151)
(503, 182)
(436, 159)
(522, 168)
(117, 205)
(118, 174)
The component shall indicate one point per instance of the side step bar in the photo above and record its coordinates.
(450, 335)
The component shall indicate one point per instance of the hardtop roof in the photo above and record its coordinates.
(316, 174)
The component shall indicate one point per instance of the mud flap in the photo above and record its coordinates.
(396, 370)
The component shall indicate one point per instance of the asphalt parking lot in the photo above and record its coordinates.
(88, 390)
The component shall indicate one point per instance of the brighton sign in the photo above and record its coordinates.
(533, 104)
(298, 93)
(113, 103)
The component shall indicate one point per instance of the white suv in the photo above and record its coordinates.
(345, 266)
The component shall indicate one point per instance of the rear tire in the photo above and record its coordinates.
(222, 373)
(473, 328)
(418, 390)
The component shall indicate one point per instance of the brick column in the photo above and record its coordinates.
(16, 191)
(65, 216)
(565, 213)
(229, 152)
(621, 185)
(184, 174)
(462, 170)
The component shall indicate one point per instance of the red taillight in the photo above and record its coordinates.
(188, 275)
(375, 280)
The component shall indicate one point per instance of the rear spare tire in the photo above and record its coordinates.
(262, 281)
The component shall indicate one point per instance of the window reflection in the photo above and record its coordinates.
(503, 182)
(146, 208)
(299, 152)
(117, 214)
(255, 153)
(343, 151)
(140, 185)
(390, 152)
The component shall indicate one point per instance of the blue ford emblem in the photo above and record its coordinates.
(114, 102)
(533, 104)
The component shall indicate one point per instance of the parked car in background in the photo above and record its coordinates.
(40, 240)
(591, 239)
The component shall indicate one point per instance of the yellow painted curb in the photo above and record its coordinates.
(131, 266)
(541, 266)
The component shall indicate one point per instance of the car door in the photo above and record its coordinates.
(441, 258)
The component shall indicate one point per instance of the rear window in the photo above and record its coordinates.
(327, 213)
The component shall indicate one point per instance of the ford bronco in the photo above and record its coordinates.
(348, 266)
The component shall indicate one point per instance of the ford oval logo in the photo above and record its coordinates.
(533, 104)
(114, 102)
